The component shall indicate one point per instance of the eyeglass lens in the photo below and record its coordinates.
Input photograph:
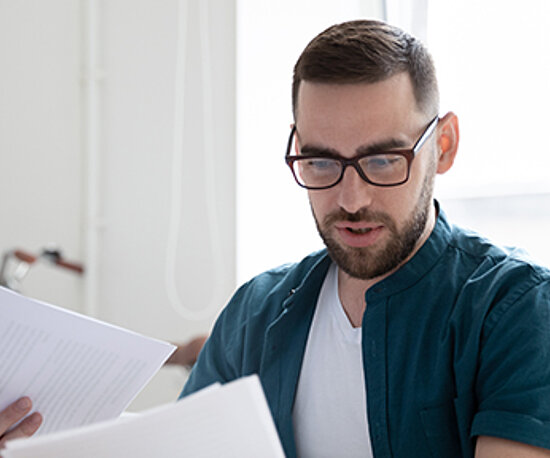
(383, 169)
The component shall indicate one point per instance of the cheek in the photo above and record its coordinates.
(396, 203)
(399, 203)
(320, 201)
(423, 168)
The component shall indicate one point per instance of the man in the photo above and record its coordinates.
(407, 336)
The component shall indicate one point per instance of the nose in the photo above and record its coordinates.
(354, 193)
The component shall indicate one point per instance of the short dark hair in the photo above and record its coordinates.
(367, 51)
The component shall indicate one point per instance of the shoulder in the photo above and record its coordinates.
(495, 280)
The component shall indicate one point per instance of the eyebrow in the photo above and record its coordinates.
(312, 150)
(382, 146)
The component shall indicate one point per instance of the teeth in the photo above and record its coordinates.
(360, 231)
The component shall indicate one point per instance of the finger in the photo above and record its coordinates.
(24, 429)
(13, 413)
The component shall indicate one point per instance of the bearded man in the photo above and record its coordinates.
(407, 336)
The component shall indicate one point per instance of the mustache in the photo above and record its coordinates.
(362, 215)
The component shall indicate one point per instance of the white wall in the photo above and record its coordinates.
(40, 159)
(144, 242)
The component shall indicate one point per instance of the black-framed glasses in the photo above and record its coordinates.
(383, 168)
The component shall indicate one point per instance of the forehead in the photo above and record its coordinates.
(382, 108)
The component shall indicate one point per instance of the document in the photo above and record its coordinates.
(77, 370)
(231, 420)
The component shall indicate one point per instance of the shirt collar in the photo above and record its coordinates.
(422, 261)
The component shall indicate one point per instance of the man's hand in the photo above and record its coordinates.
(12, 414)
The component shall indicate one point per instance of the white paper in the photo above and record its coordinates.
(232, 420)
(76, 370)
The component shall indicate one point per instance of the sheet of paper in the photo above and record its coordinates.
(232, 420)
(76, 370)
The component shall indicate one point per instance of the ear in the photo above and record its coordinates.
(447, 141)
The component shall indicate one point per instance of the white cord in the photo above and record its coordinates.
(214, 226)
(177, 169)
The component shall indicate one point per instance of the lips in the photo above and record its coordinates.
(359, 234)
(362, 230)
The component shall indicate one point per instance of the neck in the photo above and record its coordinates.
(351, 290)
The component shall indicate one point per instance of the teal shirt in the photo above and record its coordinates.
(456, 344)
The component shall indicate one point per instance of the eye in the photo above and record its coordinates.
(321, 164)
(386, 166)
(381, 161)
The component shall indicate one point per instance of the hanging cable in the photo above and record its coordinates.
(175, 224)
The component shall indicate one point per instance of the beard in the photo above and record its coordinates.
(370, 262)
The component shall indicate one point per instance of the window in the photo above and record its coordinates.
(493, 61)
(493, 64)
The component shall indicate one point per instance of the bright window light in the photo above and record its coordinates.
(493, 62)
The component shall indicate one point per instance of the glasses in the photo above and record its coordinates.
(384, 168)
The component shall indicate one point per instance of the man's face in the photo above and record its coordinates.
(368, 230)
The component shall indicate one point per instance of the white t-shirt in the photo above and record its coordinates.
(330, 411)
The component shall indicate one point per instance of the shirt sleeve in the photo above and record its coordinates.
(219, 360)
(513, 383)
